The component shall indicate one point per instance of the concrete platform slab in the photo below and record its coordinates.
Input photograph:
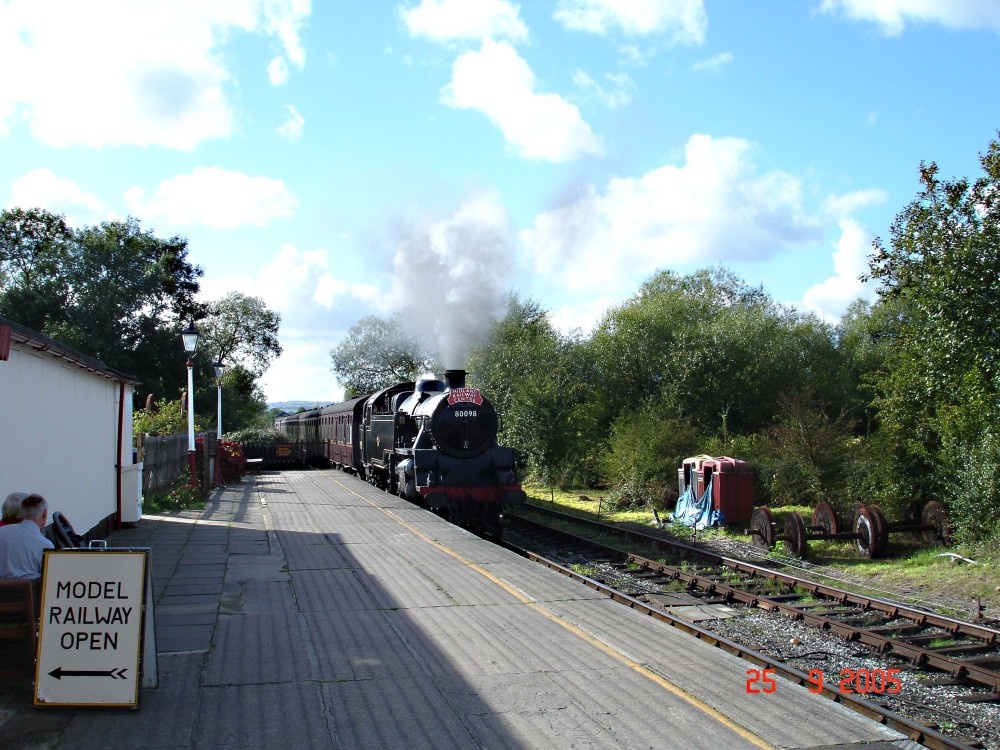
(308, 609)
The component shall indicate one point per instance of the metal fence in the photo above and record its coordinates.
(282, 455)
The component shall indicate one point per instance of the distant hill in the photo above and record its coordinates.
(293, 406)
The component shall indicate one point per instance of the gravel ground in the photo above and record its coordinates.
(806, 649)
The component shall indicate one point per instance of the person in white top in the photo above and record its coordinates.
(22, 545)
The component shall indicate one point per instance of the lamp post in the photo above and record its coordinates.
(190, 337)
(220, 369)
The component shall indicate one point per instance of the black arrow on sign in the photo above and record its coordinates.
(114, 674)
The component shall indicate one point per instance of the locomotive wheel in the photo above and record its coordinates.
(762, 527)
(935, 515)
(825, 517)
(796, 543)
(871, 539)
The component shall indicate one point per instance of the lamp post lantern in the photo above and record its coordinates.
(190, 337)
(220, 369)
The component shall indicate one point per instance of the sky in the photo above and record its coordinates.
(427, 157)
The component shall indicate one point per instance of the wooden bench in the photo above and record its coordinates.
(18, 628)
(254, 464)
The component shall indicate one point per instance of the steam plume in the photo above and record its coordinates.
(450, 278)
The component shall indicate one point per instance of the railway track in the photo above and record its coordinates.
(949, 650)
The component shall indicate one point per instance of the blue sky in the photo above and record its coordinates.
(424, 157)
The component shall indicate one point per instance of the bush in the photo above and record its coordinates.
(257, 435)
(635, 493)
(182, 495)
(232, 462)
(165, 418)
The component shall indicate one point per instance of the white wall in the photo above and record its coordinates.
(59, 435)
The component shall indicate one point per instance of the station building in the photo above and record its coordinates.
(67, 431)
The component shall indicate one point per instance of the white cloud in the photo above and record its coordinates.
(277, 71)
(216, 198)
(450, 20)
(498, 82)
(715, 208)
(583, 316)
(302, 372)
(292, 276)
(682, 21)
(292, 127)
(893, 15)
(316, 310)
(839, 206)
(130, 73)
(830, 298)
(619, 94)
(713, 64)
(42, 188)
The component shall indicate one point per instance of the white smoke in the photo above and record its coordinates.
(450, 278)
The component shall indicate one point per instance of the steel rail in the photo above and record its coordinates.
(957, 668)
(915, 731)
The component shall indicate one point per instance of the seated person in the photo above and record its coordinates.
(22, 544)
(12, 508)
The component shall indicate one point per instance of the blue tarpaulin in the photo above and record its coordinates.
(697, 511)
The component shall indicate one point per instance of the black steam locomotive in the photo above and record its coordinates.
(431, 442)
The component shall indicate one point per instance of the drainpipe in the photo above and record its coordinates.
(118, 456)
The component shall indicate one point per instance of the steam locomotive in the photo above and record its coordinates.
(432, 442)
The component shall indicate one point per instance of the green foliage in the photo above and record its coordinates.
(241, 330)
(540, 382)
(35, 247)
(645, 449)
(165, 418)
(257, 435)
(813, 456)
(115, 291)
(940, 380)
(716, 352)
(243, 403)
(377, 353)
(970, 457)
(181, 496)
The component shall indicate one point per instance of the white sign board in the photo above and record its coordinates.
(90, 627)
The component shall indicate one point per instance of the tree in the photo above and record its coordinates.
(538, 380)
(377, 353)
(115, 291)
(719, 353)
(937, 392)
(35, 250)
(244, 404)
(240, 329)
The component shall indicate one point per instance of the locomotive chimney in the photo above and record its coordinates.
(454, 379)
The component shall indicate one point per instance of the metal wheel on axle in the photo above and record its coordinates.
(762, 528)
(935, 515)
(825, 517)
(796, 543)
(871, 541)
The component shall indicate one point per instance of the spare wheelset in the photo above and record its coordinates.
(869, 531)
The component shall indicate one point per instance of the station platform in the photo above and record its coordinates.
(309, 610)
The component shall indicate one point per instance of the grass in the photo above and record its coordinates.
(923, 575)
(180, 496)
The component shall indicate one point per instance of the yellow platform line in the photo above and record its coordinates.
(614, 653)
